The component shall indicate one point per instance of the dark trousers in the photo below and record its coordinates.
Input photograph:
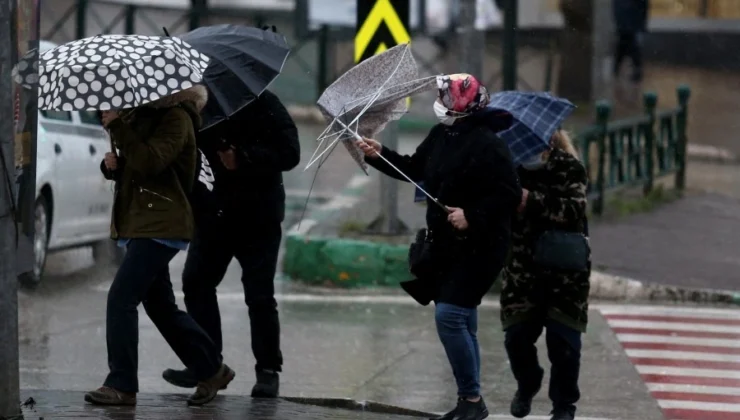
(628, 45)
(256, 248)
(144, 277)
(564, 351)
(458, 330)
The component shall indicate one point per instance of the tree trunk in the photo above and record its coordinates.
(470, 41)
(585, 48)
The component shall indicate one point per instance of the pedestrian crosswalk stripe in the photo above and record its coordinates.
(693, 389)
(700, 348)
(698, 312)
(698, 397)
(682, 371)
(699, 405)
(689, 358)
(682, 355)
(696, 333)
(673, 326)
(674, 319)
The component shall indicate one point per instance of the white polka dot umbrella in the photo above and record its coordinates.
(113, 72)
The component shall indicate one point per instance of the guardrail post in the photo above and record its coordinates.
(684, 92)
(9, 379)
(650, 101)
(325, 59)
(603, 110)
(81, 21)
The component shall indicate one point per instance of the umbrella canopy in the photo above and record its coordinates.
(244, 62)
(112, 72)
(536, 117)
(368, 96)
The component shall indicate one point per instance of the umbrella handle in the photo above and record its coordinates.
(112, 144)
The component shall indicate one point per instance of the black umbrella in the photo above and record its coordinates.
(244, 61)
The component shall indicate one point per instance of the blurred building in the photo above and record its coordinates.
(703, 33)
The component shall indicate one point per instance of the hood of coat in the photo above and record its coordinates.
(197, 95)
(191, 100)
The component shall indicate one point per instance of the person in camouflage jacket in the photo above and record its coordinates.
(533, 297)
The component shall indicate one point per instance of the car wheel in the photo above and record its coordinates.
(108, 252)
(40, 244)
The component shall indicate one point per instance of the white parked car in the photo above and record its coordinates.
(73, 200)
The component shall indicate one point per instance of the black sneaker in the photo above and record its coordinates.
(564, 413)
(183, 378)
(268, 384)
(450, 415)
(468, 410)
(521, 404)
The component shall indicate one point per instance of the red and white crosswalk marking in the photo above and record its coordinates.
(689, 358)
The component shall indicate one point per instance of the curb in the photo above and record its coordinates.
(710, 154)
(352, 263)
(365, 406)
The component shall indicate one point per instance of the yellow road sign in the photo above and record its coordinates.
(381, 24)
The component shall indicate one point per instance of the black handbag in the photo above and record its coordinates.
(563, 250)
(422, 262)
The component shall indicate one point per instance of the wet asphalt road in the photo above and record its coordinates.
(385, 351)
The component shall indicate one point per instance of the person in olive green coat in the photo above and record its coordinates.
(152, 218)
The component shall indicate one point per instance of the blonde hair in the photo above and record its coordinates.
(561, 140)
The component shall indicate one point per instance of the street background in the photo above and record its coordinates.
(640, 360)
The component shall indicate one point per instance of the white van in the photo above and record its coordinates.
(73, 200)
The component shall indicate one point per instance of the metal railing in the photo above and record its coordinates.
(635, 151)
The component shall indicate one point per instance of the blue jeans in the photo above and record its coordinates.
(458, 328)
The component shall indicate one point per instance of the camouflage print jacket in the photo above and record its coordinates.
(557, 200)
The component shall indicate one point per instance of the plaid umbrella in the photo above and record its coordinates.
(536, 117)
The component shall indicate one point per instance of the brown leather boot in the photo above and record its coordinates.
(106, 395)
(207, 390)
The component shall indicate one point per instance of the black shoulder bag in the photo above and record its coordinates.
(422, 262)
(563, 250)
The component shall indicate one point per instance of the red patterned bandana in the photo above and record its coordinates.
(462, 93)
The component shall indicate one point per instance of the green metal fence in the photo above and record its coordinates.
(633, 152)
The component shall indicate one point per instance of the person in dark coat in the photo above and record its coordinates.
(242, 219)
(535, 297)
(630, 18)
(467, 167)
(153, 220)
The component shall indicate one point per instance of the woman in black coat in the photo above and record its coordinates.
(467, 167)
